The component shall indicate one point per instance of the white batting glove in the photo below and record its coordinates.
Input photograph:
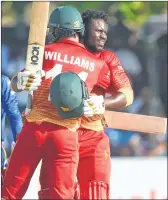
(29, 81)
(93, 106)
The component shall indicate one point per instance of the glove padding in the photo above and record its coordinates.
(29, 81)
(94, 106)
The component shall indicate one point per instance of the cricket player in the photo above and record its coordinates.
(96, 28)
(3, 163)
(9, 109)
(94, 150)
(50, 129)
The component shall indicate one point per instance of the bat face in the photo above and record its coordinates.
(135, 122)
(37, 35)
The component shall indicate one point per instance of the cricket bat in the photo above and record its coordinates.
(37, 35)
(136, 122)
(36, 41)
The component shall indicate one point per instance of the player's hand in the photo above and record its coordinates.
(29, 81)
(93, 106)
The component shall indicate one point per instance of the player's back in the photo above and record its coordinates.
(72, 56)
(60, 57)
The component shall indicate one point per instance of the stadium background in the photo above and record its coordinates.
(138, 35)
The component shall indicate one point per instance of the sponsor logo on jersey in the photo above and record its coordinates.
(73, 60)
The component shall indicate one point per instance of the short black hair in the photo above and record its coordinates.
(88, 15)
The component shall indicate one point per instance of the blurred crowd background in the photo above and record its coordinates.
(137, 34)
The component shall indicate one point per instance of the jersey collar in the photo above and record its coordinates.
(97, 54)
(66, 41)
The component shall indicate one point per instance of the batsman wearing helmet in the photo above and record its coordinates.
(94, 153)
(50, 130)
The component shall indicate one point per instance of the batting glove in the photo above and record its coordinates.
(29, 81)
(93, 106)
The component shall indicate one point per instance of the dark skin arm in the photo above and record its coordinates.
(114, 102)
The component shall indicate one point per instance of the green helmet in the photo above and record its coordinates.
(67, 95)
(65, 21)
(66, 17)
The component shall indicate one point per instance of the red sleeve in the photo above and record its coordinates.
(104, 77)
(117, 77)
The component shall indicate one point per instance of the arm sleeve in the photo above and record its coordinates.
(10, 106)
(104, 77)
(113, 78)
(118, 77)
(119, 80)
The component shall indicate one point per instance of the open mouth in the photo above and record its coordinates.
(101, 42)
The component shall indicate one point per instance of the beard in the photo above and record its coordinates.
(93, 48)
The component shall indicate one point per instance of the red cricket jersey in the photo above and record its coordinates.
(114, 76)
(62, 56)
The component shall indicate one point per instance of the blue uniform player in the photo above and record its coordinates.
(11, 110)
